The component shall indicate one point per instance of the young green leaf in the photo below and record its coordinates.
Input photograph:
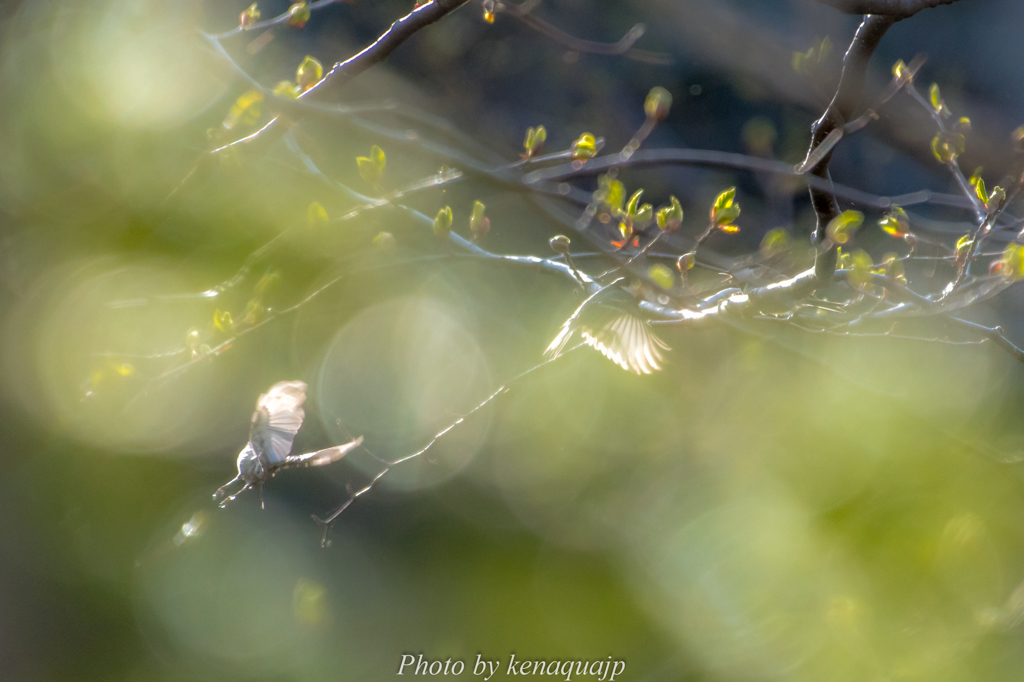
(317, 214)
(775, 241)
(298, 14)
(963, 247)
(443, 223)
(842, 228)
(611, 193)
(935, 98)
(287, 90)
(534, 142)
(860, 267)
(662, 276)
(246, 110)
(585, 147)
(479, 224)
(309, 73)
(670, 218)
(725, 211)
(895, 223)
(371, 168)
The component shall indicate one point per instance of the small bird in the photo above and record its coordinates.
(612, 325)
(275, 422)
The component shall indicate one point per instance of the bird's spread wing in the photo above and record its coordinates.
(277, 419)
(321, 457)
(617, 331)
(558, 344)
(626, 339)
(570, 326)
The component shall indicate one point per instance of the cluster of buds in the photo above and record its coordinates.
(371, 168)
(725, 211)
(860, 267)
(534, 142)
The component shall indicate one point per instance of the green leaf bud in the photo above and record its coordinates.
(443, 223)
(842, 228)
(658, 103)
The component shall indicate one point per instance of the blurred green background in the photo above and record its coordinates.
(772, 505)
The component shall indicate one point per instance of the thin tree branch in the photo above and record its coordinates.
(899, 9)
(328, 522)
(716, 159)
(342, 72)
(840, 110)
(623, 47)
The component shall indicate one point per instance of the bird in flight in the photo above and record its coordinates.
(275, 422)
(613, 326)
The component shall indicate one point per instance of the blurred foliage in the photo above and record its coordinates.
(774, 504)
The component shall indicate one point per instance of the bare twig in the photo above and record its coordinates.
(342, 72)
(623, 47)
(329, 520)
(900, 9)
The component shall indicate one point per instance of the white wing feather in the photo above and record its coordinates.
(629, 342)
(284, 404)
(278, 417)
